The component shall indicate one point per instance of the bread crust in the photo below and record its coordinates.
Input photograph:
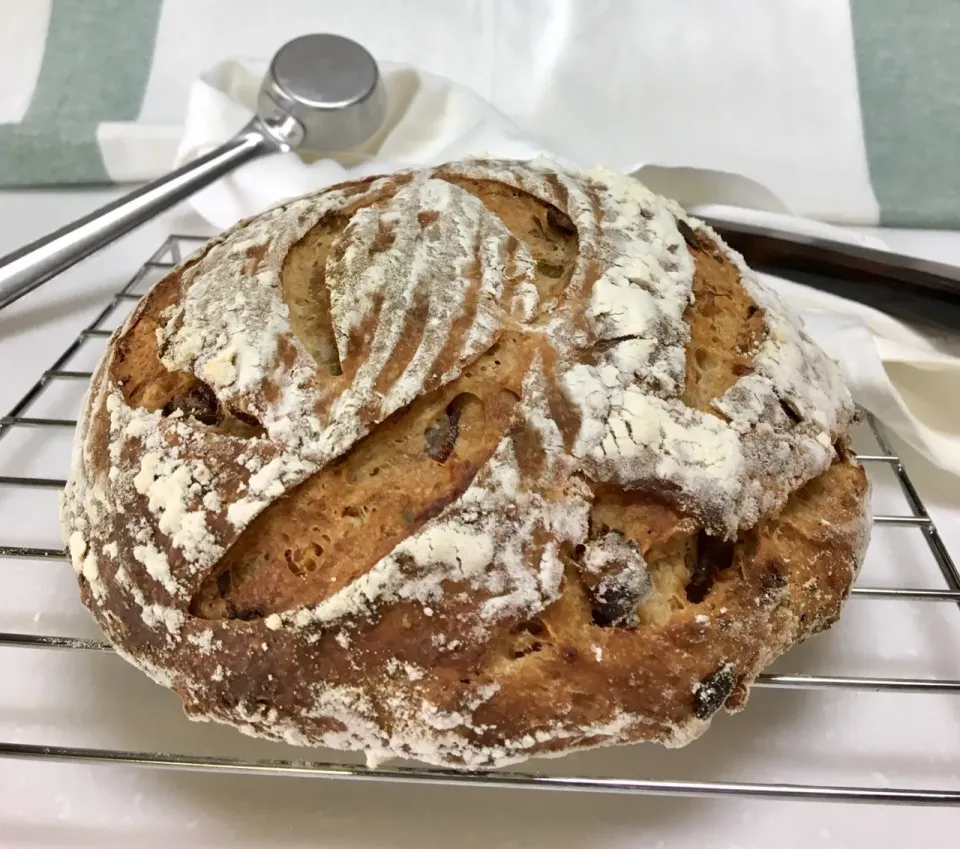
(465, 465)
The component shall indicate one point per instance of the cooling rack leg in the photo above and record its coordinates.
(947, 567)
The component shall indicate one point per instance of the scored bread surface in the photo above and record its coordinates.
(465, 464)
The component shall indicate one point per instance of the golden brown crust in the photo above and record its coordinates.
(467, 466)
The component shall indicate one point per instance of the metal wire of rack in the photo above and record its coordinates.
(169, 255)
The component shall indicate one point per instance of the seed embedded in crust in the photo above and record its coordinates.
(550, 269)
(198, 402)
(223, 584)
(443, 432)
(688, 233)
(247, 614)
(712, 691)
(245, 418)
(441, 436)
(790, 410)
(615, 576)
(713, 556)
(560, 221)
(617, 596)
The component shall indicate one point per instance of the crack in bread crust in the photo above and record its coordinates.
(465, 464)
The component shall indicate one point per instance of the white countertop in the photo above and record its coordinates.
(85, 699)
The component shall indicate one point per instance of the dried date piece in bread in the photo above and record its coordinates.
(465, 464)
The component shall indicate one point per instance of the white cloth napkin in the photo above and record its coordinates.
(907, 378)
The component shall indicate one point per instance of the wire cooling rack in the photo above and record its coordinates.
(916, 519)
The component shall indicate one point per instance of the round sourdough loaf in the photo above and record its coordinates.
(465, 464)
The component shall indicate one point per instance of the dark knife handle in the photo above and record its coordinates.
(907, 286)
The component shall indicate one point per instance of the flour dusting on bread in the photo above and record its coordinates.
(554, 550)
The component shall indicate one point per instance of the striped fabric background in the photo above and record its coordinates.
(93, 91)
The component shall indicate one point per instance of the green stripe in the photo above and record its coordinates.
(31, 156)
(96, 64)
(908, 66)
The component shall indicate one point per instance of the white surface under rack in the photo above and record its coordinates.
(824, 733)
